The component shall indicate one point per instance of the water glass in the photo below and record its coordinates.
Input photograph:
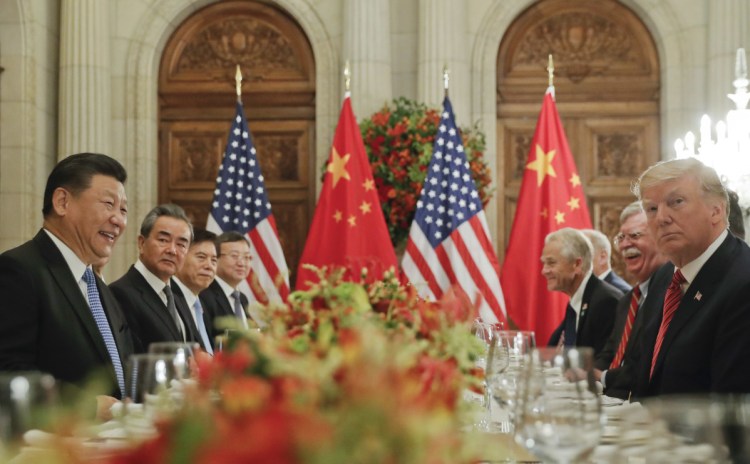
(27, 401)
(558, 410)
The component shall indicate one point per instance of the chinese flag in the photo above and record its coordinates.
(348, 228)
(551, 198)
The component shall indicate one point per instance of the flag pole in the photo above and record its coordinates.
(238, 83)
(446, 79)
(347, 78)
(551, 75)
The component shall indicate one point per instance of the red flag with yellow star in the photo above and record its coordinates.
(551, 198)
(348, 228)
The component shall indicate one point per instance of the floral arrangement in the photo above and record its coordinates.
(344, 372)
(398, 140)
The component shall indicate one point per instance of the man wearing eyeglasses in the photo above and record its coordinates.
(638, 249)
(224, 296)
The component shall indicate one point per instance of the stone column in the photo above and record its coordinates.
(367, 46)
(443, 42)
(728, 30)
(85, 88)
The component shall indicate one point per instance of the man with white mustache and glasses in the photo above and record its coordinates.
(642, 259)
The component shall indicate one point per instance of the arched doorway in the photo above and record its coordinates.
(607, 94)
(196, 107)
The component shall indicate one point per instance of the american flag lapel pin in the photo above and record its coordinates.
(698, 296)
(584, 308)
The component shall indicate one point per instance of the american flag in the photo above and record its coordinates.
(449, 240)
(241, 204)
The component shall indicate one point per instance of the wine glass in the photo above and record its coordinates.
(149, 381)
(558, 410)
(509, 347)
(183, 353)
(27, 401)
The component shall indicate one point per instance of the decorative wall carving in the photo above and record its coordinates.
(582, 44)
(194, 159)
(618, 155)
(521, 146)
(251, 43)
(279, 157)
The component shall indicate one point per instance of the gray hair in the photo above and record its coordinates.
(168, 210)
(674, 169)
(598, 240)
(573, 245)
(631, 210)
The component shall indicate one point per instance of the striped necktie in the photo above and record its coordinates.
(632, 311)
(172, 309)
(97, 310)
(671, 302)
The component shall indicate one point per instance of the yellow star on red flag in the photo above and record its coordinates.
(369, 184)
(559, 217)
(574, 203)
(575, 181)
(337, 166)
(337, 216)
(542, 165)
(352, 220)
(365, 207)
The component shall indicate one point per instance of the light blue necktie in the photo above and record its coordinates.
(202, 326)
(97, 310)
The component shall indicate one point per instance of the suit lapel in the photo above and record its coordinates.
(152, 300)
(698, 294)
(584, 313)
(68, 285)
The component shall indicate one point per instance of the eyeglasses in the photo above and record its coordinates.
(633, 236)
(238, 256)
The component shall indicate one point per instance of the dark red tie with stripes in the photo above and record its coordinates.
(632, 311)
(671, 302)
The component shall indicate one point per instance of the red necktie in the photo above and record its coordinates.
(628, 328)
(671, 302)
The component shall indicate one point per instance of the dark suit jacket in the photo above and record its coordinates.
(620, 380)
(146, 313)
(186, 312)
(596, 318)
(618, 282)
(45, 322)
(706, 347)
(218, 305)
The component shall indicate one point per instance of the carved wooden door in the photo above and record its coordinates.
(197, 104)
(607, 94)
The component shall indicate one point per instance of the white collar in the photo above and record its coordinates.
(228, 289)
(691, 269)
(577, 299)
(154, 282)
(76, 266)
(190, 297)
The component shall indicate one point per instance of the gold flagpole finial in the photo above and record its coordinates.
(446, 79)
(551, 70)
(238, 83)
(347, 77)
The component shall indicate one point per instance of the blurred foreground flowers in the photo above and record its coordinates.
(343, 373)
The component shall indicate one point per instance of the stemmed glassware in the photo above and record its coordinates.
(27, 400)
(507, 352)
(558, 409)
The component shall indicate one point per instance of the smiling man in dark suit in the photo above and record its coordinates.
(55, 314)
(602, 260)
(698, 343)
(145, 294)
(590, 315)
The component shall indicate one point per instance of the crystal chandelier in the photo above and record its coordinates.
(729, 152)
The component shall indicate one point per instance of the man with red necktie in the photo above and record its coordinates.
(698, 342)
(641, 257)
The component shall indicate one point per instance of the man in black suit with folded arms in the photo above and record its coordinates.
(614, 363)
(698, 342)
(566, 264)
(154, 312)
(56, 316)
